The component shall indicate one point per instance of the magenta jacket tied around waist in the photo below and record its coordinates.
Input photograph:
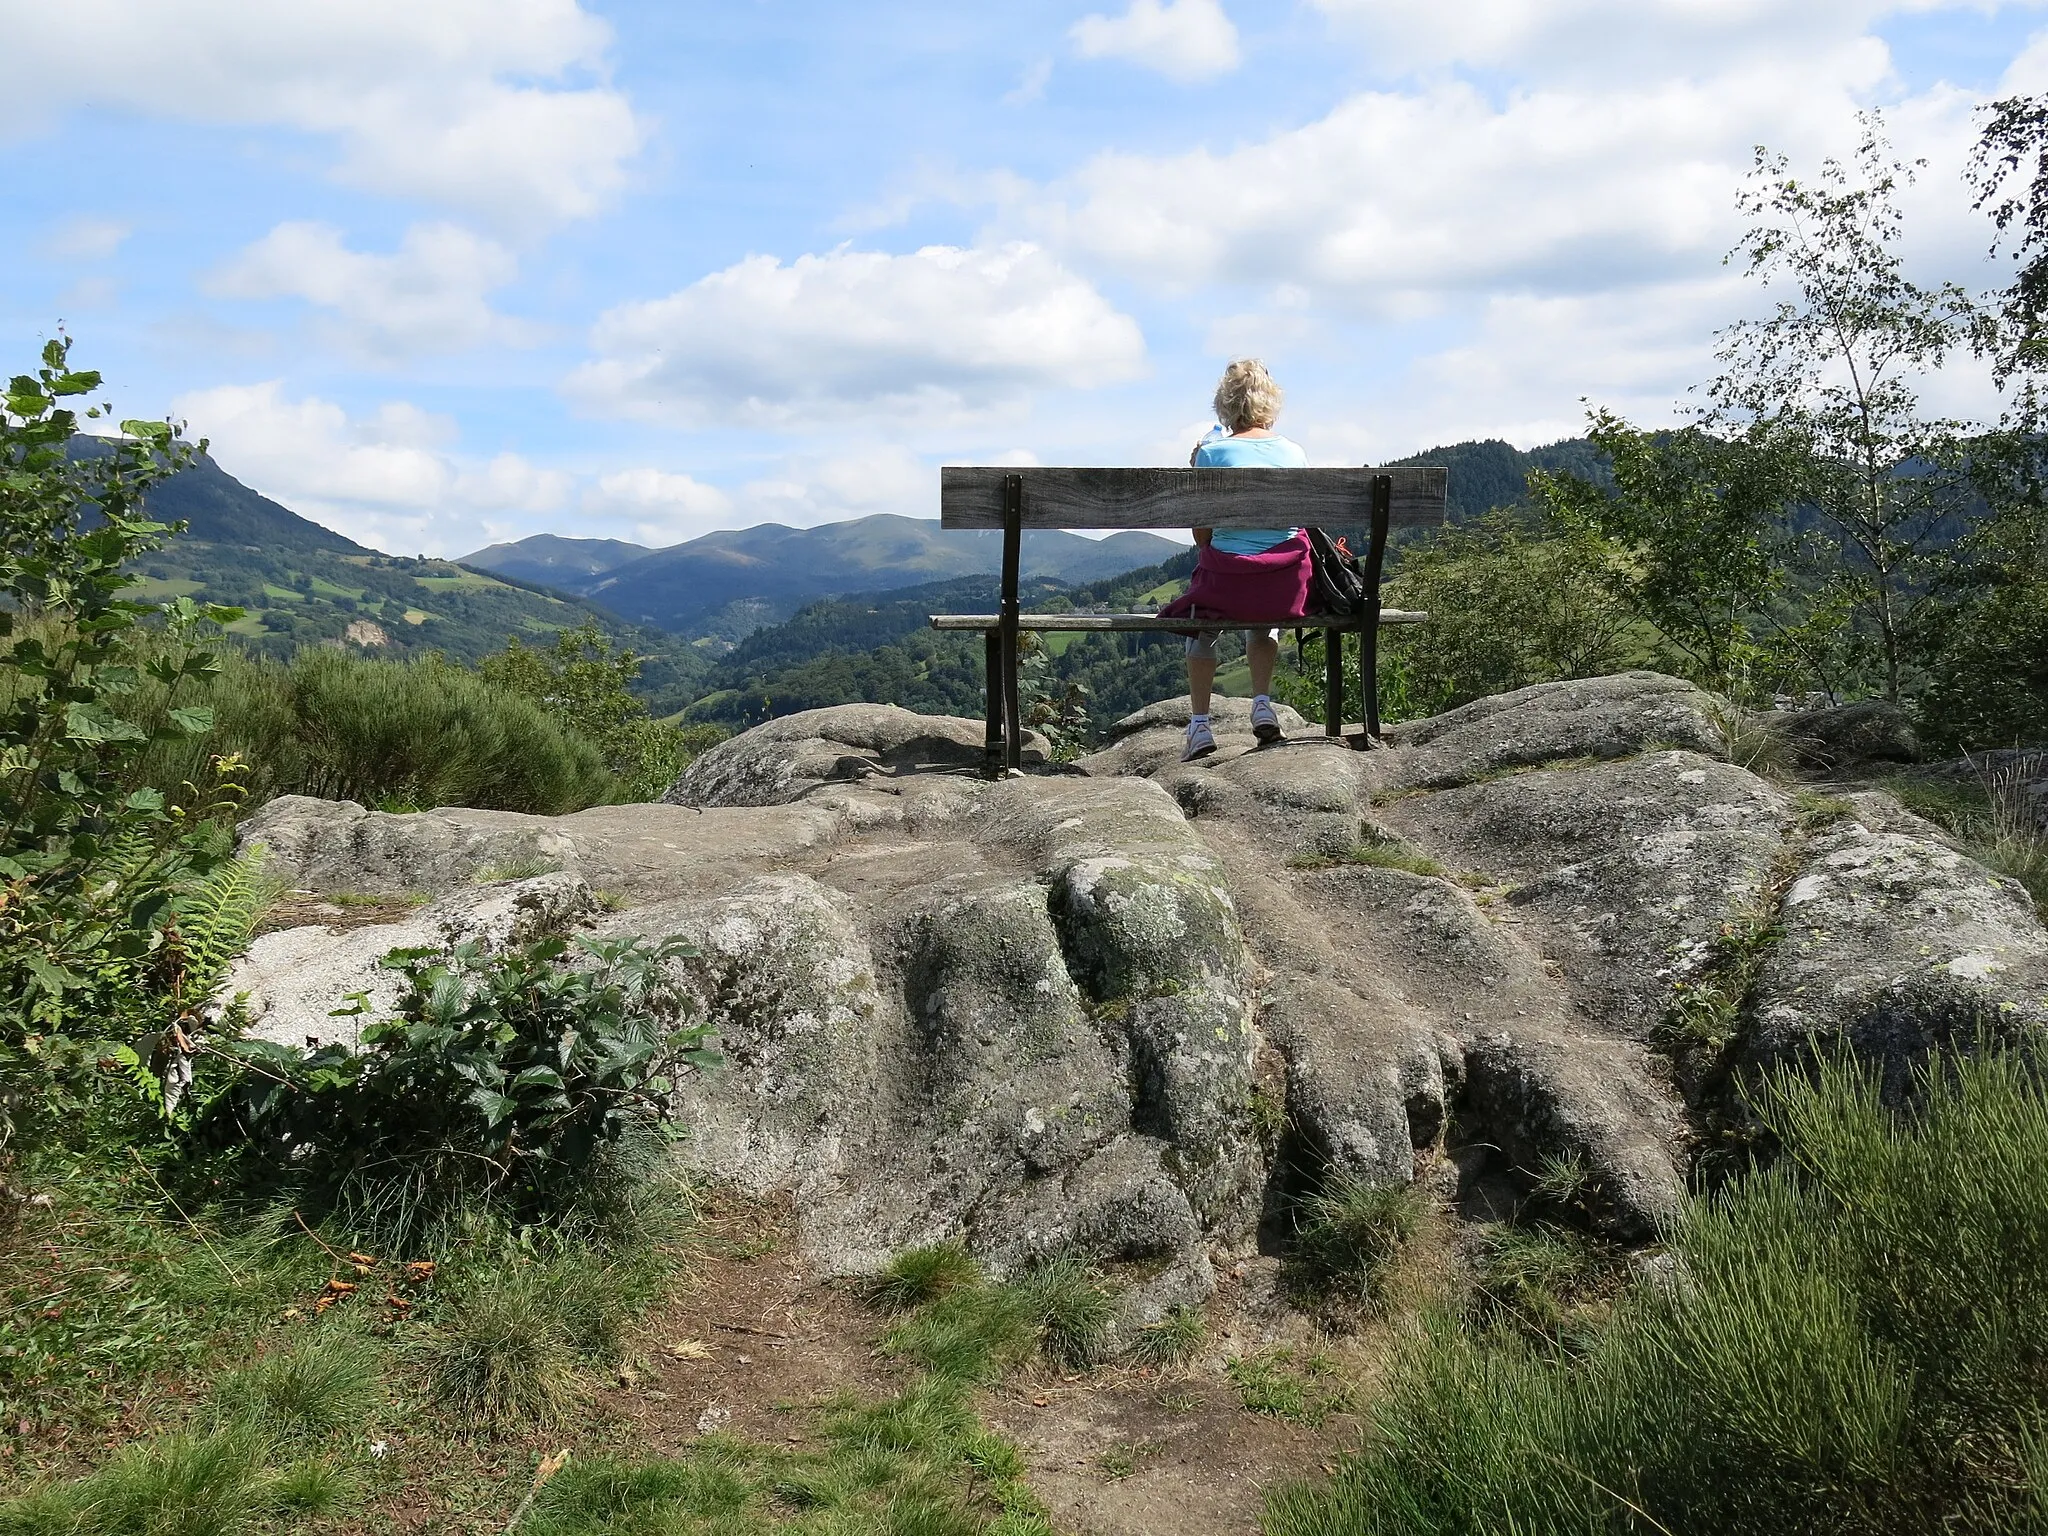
(1270, 586)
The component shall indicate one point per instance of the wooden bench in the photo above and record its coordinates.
(1016, 499)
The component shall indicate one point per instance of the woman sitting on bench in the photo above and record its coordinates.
(1261, 573)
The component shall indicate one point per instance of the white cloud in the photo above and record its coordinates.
(390, 479)
(1395, 201)
(658, 506)
(428, 296)
(1186, 40)
(498, 107)
(85, 238)
(935, 335)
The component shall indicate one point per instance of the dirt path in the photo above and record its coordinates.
(755, 1344)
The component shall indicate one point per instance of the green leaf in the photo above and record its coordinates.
(90, 723)
(193, 719)
(74, 383)
(149, 431)
(145, 800)
(54, 978)
(497, 1107)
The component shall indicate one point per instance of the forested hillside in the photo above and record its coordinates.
(302, 584)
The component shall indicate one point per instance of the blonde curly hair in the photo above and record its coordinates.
(1247, 397)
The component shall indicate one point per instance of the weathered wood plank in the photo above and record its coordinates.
(1060, 623)
(971, 496)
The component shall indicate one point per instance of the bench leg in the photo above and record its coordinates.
(1013, 542)
(1333, 682)
(992, 673)
(1369, 633)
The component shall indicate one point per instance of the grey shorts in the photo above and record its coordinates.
(1204, 644)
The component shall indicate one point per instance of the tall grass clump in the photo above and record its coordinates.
(1852, 1341)
(2014, 839)
(1348, 1234)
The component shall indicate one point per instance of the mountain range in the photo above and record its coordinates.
(727, 584)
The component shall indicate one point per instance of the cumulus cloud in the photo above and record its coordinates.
(497, 107)
(391, 478)
(1185, 40)
(658, 506)
(1394, 196)
(938, 334)
(1409, 200)
(427, 296)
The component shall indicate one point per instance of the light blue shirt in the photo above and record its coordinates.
(1250, 453)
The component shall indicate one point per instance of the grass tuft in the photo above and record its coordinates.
(1066, 1300)
(311, 1487)
(1529, 1276)
(176, 1485)
(1347, 1235)
(500, 1356)
(969, 1335)
(1283, 1384)
(320, 1385)
(920, 1275)
(1173, 1340)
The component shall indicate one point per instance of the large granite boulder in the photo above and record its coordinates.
(1895, 943)
(1132, 1008)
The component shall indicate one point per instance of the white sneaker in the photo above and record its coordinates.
(1265, 721)
(1200, 742)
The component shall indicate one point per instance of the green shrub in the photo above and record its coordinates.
(585, 686)
(499, 1084)
(405, 735)
(92, 857)
(1854, 1340)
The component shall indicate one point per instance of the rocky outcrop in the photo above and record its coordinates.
(1132, 1007)
(1847, 738)
(784, 759)
(1895, 943)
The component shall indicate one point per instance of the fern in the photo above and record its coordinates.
(216, 915)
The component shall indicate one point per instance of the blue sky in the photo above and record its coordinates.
(447, 271)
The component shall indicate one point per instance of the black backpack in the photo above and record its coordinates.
(1338, 587)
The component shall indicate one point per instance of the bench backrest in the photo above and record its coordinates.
(972, 497)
